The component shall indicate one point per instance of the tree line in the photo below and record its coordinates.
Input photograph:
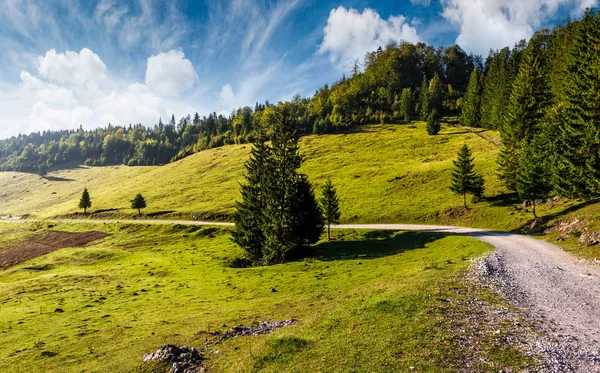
(399, 82)
(544, 98)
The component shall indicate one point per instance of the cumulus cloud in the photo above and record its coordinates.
(226, 96)
(349, 34)
(53, 99)
(170, 73)
(71, 67)
(486, 24)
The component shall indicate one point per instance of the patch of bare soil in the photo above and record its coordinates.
(18, 251)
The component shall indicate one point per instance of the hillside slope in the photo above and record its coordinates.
(383, 173)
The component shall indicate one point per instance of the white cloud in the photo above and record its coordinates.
(350, 34)
(494, 24)
(170, 73)
(424, 3)
(226, 96)
(72, 67)
(53, 99)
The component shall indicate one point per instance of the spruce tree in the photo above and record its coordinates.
(330, 205)
(578, 163)
(249, 214)
(534, 181)
(433, 123)
(529, 103)
(85, 201)
(424, 104)
(138, 203)
(471, 110)
(464, 179)
(406, 104)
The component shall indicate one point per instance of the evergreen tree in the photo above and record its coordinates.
(530, 101)
(138, 203)
(436, 94)
(330, 205)
(578, 163)
(249, 214)
(424, 102)
(534, 181)
(471, 111)
(406, 105)
(433, 123)
(85, 201)
(464, 179)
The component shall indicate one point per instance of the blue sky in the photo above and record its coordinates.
(68, 62)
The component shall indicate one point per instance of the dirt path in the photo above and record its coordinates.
(548, 283)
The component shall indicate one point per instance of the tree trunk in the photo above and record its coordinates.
(465, 200)
(328, 232)
(139, 212)
(533, 206)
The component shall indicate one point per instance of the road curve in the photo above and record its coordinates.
(550, 284)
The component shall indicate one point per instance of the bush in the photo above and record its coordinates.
(433, 123)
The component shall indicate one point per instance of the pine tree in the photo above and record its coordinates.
(249, 214)
(406, 104)
(464, 179)
(578, 163)
(471, 111)
(138, 203)
(436, 94)
(534, 181)
(424, 102)
(330, 205)
(85, 201)
(496, 90)
(530, 101)
(433, 123)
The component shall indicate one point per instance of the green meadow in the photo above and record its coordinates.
(371, 301)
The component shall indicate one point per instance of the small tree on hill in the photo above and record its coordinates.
(471, 110)
(433, 123)
(424, 102)
(464, 179)
(85, 201)
(42, 170)
(330, 205)
(138, 203)
(406, 104)
(533, 182)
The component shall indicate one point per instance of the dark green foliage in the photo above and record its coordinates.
(138, 203)
(42, 170)
(529, 103)
(249, 214)
(578, 138)
(464, 178)
(533, 182)
(433, 123)
(405, 105)
(278, 216)
(85, 202)
(330, 205)
(471, 111)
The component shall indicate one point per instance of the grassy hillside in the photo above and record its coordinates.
(101, 308)
(383, 173)
(399, 172)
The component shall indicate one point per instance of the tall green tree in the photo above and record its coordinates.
(138, 203)
(464, 178)
(424, 102)
(85, 202)
(578, 163)
(249, 216)
(406, 105)
(436, 94)
(529, 103)
(330, 205)
(534, 181)
(471, 110)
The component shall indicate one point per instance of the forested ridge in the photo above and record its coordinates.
(542, 95)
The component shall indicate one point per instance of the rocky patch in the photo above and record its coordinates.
(181, 359)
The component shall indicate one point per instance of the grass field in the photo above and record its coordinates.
(369, 302)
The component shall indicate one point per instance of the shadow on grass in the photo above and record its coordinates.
(159, 213)
(104, 211)
(57, 179)
(377, 244)
(504, 199)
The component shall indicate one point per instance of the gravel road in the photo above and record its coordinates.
(550, 285)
